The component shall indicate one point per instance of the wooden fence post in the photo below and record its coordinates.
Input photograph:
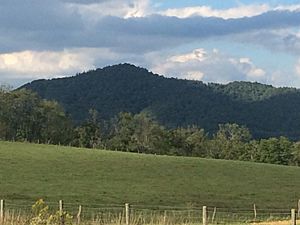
(299, 208)
(61, 210)
(293, 216)
(165, 217)
(127, 212)
(204, 215)
(79, 214)
(214, 215)
(255, 212)
(2, 210)
(61, 206)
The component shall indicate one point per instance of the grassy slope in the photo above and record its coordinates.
(29, 171)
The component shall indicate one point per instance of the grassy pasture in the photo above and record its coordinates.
(32, 171)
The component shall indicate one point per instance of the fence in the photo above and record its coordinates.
(146, 214)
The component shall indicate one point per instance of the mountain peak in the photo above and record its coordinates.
(265, 110)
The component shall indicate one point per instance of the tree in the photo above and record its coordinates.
(24, 116)
(229, 142)
(57, 128)
(89, 133)
(251, 152)
(275, 150)
(296, 153)
(190, 141)
(121, 132)
(148, 136)
(138, 133)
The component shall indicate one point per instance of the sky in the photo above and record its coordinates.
(209, 40)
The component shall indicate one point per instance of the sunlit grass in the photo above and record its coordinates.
(84, 176)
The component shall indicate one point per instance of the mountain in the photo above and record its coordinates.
(267, 111)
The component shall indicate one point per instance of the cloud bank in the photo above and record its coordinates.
(212, 66)
(54, 26)
(60, 37)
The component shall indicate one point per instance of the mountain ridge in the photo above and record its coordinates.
(267, 111)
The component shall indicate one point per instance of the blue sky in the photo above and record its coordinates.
(212, 41)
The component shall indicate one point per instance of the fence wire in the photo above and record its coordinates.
(147, 214)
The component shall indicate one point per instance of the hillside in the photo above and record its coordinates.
(31, 171)
(265, 110)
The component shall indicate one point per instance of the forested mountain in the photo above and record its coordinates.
(265, 110)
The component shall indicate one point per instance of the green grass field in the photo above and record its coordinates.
(31, 171)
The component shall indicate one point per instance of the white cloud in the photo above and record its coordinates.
(119, 8)
(102, 24)
(48, 64)
(93, 9)
(295, 7)
(281, 78)
(247, 67)
(89, 30)
(194, 75)
(218, 67)
(207, 11)
(29, 63)
(197, 54)
(209, 66)
(230, 13)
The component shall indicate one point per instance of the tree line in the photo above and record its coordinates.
(24, 116)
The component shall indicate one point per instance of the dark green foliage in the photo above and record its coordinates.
(88, 135)
(229, 142)
(296, 153)
(24, 116)
(146, 113)
(276, 151)
(56, 127)
(250, 92)
(137, 133)
(191, 141)
(265, 110)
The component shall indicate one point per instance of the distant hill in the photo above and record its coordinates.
(267, 111)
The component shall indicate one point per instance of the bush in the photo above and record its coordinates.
(42, 216)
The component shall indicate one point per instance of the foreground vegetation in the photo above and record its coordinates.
(31, 171)
(26, 117)
(42, 214)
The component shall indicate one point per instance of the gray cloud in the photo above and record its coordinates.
(199, 27)
(41, 25)
(282, 40)
(36, 25)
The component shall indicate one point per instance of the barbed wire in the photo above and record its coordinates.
(146, 213)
